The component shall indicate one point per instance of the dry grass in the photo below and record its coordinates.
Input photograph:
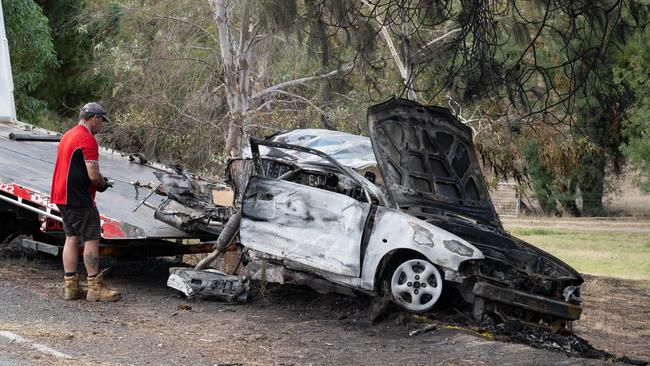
(615, 316)
(618, 254)
(596, 285)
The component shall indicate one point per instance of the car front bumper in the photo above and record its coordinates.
(531, 302)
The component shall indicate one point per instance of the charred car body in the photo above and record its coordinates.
(405, 212)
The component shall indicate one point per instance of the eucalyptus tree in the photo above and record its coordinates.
(632, 68)
(505, 67)
(32, 54)
(73, 83)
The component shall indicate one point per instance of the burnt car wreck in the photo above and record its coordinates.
(404, 212)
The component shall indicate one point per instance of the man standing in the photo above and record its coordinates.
(74, 183)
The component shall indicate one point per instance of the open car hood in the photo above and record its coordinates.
(428, 161)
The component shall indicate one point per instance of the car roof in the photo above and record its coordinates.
(353, 151)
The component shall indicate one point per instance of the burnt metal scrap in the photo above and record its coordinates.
(190, 205)
(404, 212)
(209, 283)
(185, 189)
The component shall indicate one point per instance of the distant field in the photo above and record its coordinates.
(622, 254)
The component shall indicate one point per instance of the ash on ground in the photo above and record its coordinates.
(562, 341)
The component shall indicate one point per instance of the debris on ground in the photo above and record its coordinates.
(562, 341)
(513, 330)
(208, 284)
(184, 307)
(426, 329)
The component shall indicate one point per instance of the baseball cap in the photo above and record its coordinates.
(93, 108)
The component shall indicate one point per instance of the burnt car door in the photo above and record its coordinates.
(318, 228)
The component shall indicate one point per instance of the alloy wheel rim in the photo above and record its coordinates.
(416, 285)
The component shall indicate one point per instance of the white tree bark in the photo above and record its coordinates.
(238, 73)
(227, 53)
(236, 68)
(404, 70)
(244, 55)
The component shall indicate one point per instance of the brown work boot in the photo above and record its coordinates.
(71, 289)
(98, 292)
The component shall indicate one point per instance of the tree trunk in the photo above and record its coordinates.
(567, 197)
(236, 69)
(592, 181)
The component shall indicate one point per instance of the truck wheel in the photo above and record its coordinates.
(416, 285)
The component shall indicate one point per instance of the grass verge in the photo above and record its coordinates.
(602, 253)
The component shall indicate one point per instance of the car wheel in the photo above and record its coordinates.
(416, 285)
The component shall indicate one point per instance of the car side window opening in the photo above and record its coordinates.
(320, 172)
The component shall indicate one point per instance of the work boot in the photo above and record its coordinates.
(71, 289)
(98, 292)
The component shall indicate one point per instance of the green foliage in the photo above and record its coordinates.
(32, 54)
(542, 182)
(160, 78)
(638, 147)
(277, 14)
(73, 83)
(551, 186)
(633, 69)
(156, 66)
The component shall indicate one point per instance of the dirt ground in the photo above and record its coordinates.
(283, 325)
(616, 316)
(153, 324)
(616, 311)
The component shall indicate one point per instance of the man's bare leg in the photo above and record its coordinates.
(96, 289)
(71, 254)
(71, 289)
(91, 257)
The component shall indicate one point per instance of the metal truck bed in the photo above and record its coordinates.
(26, 169)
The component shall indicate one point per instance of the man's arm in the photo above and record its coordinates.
(95, 176)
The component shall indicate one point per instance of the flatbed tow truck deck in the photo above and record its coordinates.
(129, 228)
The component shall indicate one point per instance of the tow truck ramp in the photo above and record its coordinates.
(127, 210)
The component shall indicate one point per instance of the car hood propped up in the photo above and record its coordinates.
(428, 161)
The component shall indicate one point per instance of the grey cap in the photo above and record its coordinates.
(91, 109)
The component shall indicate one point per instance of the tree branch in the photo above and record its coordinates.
(176, 19)
(389, 41)
(318, 109)
(221, 18)
(442, 37)
(304, 80)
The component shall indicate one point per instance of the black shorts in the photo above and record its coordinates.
(82, 222)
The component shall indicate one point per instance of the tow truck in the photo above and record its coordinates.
(129, 228)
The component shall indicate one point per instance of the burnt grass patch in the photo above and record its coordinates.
(369, 312)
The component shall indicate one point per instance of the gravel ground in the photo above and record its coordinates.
(153, 325)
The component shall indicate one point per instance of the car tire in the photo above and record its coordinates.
(415, 285)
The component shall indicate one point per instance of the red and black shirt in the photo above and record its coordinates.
(71, 185)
